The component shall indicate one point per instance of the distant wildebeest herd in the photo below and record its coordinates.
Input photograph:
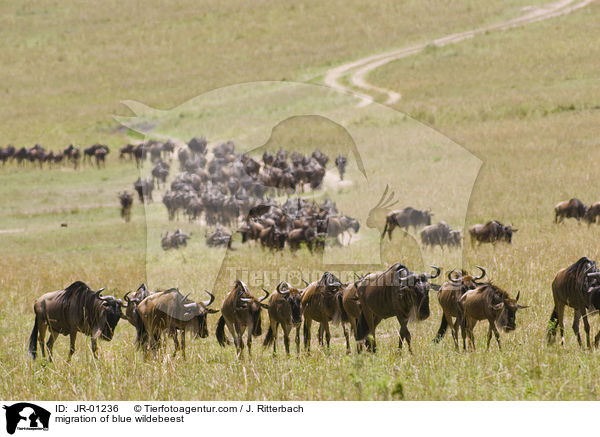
(233, 189)
(37, 155)
(362, 303)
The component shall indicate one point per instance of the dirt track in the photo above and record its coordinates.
(358, 70)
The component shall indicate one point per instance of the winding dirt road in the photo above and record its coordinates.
(357, 71)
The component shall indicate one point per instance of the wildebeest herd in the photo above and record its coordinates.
(37, 155)
(232, 189)
(362, 303)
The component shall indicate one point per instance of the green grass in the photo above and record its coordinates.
(523, 101)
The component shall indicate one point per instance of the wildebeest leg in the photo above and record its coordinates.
(560, 314)
(183, 343)
(274, 327)
(249, 340)
(94, 348)
(469, 325)
(173, 335)
(307, 325)
(586, 326)
(494, 328)
(52, 337)
(442, 329)
(552, 325)
(597, 340)
(72, 338)
(455, 327)
(347, 338)
(404, 333)
(327, 334)
(41, 337)
(298, 339)
(576, 317)
(286, 337)
(320, 335)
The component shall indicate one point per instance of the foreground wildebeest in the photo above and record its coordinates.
(320, 303)
(170, 311)
(75, 309)
(132, 300)
(570, 287)
(126, 200)
(284, 310)
(491, 232)
(594, 299)
(240, 311)
(449, 295)
(573, 208)
(490, 302)
(404, 219)
(351, 311)
(441, 235)
(397, 292)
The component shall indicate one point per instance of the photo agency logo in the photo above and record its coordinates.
(268, 182)
(24, 416)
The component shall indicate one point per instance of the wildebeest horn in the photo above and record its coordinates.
(436, 274)
(305, 283)
(125, 298)
(246, 299)
(280, 288)
(594, 274)
(210, 300)
(98, 292)
(518, 294)
(357, 276)
(482, 273)
(265, 296)
(454, 280)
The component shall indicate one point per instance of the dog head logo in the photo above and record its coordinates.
(26, 416)
(255, 130)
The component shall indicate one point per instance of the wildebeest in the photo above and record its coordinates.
(220, 237)
(126, 200)
(284, 310)
(144, 189)
(449, 295)
(488, 301)
(340, 163)
(351, 311)
(592, 213)
(491, 232)
(594, 299)
(170, 311)
(573, 208)
(173, 240)
(240, 311)
(397, 292)
(441, 235)
(405, 218)
(132, 300)
(570, 288)
(320, 303)
(75, 309)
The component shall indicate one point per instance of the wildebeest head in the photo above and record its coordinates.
(418, 286)
(329, 283)
(254, 307)
(293, 297)
(508, 233)
(507, 319)
(200, 327)
(110, 308)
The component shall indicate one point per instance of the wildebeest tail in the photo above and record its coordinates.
(268, 338)
(33, 340)
(441, 331)
(552, 324)
(220, 334)
(362, 329)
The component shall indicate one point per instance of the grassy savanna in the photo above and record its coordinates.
(524, 101)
